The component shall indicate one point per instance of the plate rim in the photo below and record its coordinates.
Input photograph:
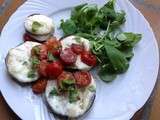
(149, 27)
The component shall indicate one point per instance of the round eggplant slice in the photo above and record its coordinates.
(68, 41)
(60, 105)
(39, 26)
(18, 63)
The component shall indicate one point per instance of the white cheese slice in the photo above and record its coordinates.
(68, 41)
(61, 104)
(18, 62)
(46, 23)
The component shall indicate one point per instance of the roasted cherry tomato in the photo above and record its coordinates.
(54, 69)
(27, 37)
(53, 46)
(43, 52)
(42, 68)
(82, 78)
(64, 76)
(88, 58)
(39, 86)
(78, 49)
(68, 57)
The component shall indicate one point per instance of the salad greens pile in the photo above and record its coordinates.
(102, 26)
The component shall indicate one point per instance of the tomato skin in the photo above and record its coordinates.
(27, 37)
(43, 52)
(88, 58)
(39, 86)
(78, 49)
(54, 69)
(68, 57)
(64, 76)
(54, 46)
(42, 68)
(83, 79)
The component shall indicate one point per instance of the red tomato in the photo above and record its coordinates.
(42, 68)
(27, 37)
(53, 46)
(77, 48)
(68, 57)
(82, 78)
(64, 76)
(88, 58)
(43, 52)
(39, 86)
(54, 69)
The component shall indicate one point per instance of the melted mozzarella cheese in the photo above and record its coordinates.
(68, 41)
(18, 62)
(80, 65)
(46, 27)
(61, 104)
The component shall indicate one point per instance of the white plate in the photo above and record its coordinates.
(118, 100)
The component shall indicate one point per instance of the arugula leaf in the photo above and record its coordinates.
(106, 75)
(129, 39)
(54, 92)
(35, 26)
(117, 58)
(51, 57)
(68, 27)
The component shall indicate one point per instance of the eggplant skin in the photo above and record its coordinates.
(64, 117)
(7, 63)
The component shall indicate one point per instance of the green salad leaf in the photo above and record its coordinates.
(117, 58)
(102, 27)
(68, 27)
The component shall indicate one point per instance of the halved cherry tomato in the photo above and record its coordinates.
(68, 57)
(77, 48)
(27, 37)
(53, 46)
(88, 58)
(54, 69)
(39, 86)
(64, 76)
(43, 52)
(42, 68)
(82, 78)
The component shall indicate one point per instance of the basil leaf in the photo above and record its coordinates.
(92, 88)
(51, 58)
(73, 95)
(68, 27)
(31, 74)
(54, 92)
(36, 49)
(65, 84)
(117, 58)
(35, 26)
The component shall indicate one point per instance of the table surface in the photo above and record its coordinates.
(151, 10)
